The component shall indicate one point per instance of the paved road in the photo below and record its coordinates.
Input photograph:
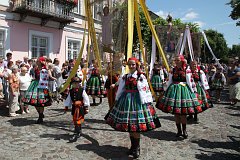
(216, 136)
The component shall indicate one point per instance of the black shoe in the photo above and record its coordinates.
(75, 137)
(179, 134)
(130, 151)
(93, 104)
(185, 135)
(136, 152)
(189, 117)
(39, 121)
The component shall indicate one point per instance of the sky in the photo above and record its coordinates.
(209, 14)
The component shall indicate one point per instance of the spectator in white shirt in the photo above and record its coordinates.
(24, 83)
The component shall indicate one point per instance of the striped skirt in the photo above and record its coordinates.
(178, 99)
(129, 115)
(95, 86)
(203, 97)
(157, 83)
(35, 96)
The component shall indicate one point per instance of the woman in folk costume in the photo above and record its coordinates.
(78, 99)
(133, 111)
(157, 79)
(202, 86)
(37, 93)
(179, 98)
(218, 82)
(94, 86)
(110, 86)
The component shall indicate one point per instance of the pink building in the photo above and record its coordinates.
(35, 28)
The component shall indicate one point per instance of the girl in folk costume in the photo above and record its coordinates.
(179, 98)
(202, 86)
(133, 111)
(157, 79)
(94, 85)
(218, 81)
(110, 86)
(78, 99)
(37, 93)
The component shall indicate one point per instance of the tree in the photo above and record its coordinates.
(218, 44)
(235, 14)
(235, 51)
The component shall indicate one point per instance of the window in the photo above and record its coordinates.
(73, 49)
(114, 3)
(78, 8)
(40, 46)
(2, 39)
(97, 7)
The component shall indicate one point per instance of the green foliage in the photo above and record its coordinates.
(235, 14)
(218, 44)
(234, 51)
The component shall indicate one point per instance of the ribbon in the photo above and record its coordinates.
(75, 68)
(187, 37)
(141, 45)
(92, 32)
(130, 30)
(153, 55)
(146, 13)
(210, 49)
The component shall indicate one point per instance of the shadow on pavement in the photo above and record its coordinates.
(234, 145)
(95, 121)
(236, 115)
(163, 135)
(170, 118)
(217, 156)
(235, 108)
(105, 151)
(21, 122)
(56, 136)
(237, 127)
(3, 109)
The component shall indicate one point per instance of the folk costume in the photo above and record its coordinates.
(179, 97)
(218, 82)
(37, 93)
(133, 110)
(111, 92)
(202, 87)
(157, 79)
(95, 86)
(78, 99)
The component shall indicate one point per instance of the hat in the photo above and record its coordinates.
(42, 59)
(76, 79)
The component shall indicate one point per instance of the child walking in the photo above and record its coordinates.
(78, 99)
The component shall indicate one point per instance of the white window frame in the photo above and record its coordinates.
(93, 11)
(41, 34)
(72, 39)
(80, 7)
(6, 47)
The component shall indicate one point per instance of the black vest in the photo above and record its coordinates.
(76, 95)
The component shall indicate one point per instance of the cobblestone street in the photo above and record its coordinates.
(216, 136)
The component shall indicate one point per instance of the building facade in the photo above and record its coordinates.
(49, 28)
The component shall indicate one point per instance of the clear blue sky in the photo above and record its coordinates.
(209, 14)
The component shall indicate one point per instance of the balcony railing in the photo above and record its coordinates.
(44, 9)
